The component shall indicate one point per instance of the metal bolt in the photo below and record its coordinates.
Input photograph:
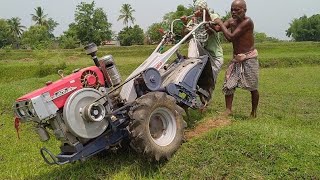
(152, 79)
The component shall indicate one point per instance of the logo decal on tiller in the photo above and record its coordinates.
(63, 92)
(158, 65)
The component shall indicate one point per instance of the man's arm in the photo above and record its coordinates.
(240, 29)
(217, 27)
(185, 22)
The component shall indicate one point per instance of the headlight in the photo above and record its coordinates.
(24, 110)
(36, 109)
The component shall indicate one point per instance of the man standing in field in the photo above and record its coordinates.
(207, 37)
(243, 69)
(212, 43)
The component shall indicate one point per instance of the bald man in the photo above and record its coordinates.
(243, 69)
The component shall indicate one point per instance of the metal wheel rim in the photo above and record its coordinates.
(162, 126)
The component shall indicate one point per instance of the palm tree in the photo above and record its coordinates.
(191, 6)
(16, 30)
(39, 17)
(126, 14)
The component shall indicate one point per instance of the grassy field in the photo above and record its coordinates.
(282, 143)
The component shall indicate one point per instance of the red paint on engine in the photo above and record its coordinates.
(59, 90)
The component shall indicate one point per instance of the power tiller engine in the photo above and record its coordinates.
(76, 108)
(91, 110)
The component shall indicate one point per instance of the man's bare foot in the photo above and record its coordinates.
(253, 114)
(227, 112)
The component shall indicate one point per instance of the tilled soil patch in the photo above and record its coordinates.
(206, 126)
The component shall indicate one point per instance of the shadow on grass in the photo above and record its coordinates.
(123, 164)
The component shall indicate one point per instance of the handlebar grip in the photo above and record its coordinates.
(212, 23)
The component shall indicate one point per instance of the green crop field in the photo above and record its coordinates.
(282, 143)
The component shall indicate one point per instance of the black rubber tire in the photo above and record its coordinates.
(141, 139)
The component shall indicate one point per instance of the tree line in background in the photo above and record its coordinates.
(91, 25)
(305, 29)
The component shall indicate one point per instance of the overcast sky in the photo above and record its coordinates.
(270, 16)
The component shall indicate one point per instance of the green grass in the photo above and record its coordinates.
(282, 143)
